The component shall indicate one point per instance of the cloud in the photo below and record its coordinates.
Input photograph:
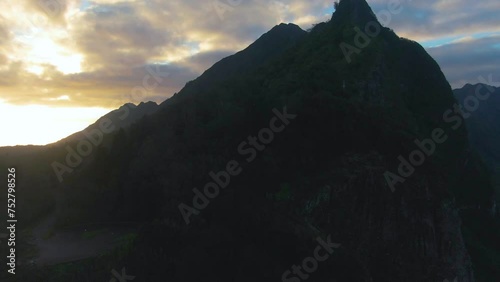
(98, 88)
(431, 19)
(54, 11)
(461, 35)
(467, 60)
(4, 32)
(116, 38)
(94, 53)
(10, 73)
(83, 54)
(203, 61)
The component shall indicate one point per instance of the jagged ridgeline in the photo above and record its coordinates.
(356, 108)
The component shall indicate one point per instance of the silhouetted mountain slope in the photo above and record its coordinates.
(324, 174)
(339, 122)
(266, 48)
(120, 118)
(36, 163)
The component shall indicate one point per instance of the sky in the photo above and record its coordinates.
(65, 63)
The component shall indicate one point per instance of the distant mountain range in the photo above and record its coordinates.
(329, 138)
(481, 106)
(483, 119)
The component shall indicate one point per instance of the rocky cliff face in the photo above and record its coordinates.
(324, 175)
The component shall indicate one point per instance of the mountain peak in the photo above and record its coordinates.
(357, 12)
(283, 30)
(288, 26)
(129, 105)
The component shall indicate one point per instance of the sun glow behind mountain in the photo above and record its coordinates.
(40, 125)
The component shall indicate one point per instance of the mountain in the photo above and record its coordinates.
(480, 104)
(356, 12)
(271, 44)
(331, 159)
(482, 119)
(120, 118)
(36, 163)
